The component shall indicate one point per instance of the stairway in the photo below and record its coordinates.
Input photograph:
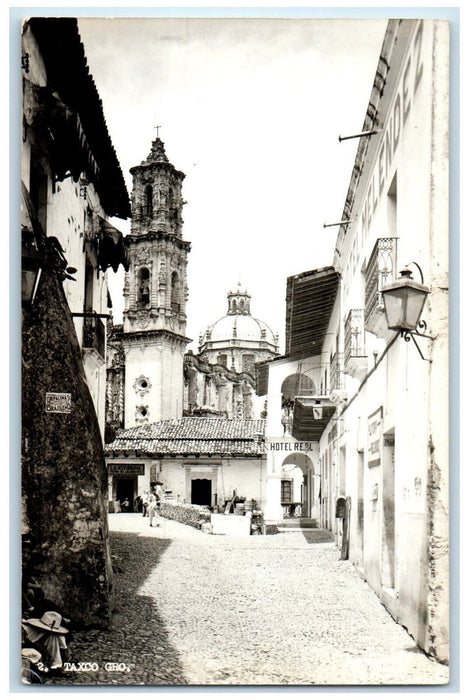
(297, 524)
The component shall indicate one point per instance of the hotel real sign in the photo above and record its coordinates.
(290, 446)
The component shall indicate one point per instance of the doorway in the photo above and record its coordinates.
(389, 512)
(201, 492)
(126, 487)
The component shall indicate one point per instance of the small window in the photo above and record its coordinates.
(222, 360)
(141, 414)
(248, 363)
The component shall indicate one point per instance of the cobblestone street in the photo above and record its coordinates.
(197, 609)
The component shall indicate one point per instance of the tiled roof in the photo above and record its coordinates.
(68, 74)
(191, 436)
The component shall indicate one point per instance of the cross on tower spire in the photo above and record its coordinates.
(157, 127)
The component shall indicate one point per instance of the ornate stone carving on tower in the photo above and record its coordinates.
(155, 291)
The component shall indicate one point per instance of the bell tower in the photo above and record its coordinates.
(155, 293)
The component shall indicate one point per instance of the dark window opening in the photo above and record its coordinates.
(287, 491)
(148, 201)
(143, 292)
(175, 297)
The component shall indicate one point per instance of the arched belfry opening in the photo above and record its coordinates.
(143, 286)
(148, 201)
(175, 293)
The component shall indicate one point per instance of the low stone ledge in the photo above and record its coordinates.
(185, 513)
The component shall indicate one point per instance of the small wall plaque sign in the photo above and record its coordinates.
(128, 469)
(58, 403)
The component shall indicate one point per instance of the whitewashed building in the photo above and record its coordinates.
(374, 406)
(73, 178)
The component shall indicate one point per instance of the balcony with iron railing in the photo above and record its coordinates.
(336, 381)
(355, 358)
(94, 334)
(380, 270)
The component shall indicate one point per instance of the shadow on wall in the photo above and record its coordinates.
(137, 639)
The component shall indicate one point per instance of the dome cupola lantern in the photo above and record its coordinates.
(238, 335)
(239, 302)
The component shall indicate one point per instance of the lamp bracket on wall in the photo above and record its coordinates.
(421, 275)
(371, 132)
(410, 335)
(338, 223)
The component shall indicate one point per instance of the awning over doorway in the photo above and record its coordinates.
(310, 418)
(310, 300)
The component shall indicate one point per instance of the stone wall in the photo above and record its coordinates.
(185, 513)
(64, 479)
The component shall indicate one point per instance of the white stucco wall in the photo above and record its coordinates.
(161, 364)
(405, 494)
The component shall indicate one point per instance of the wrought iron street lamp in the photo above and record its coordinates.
(404, 300)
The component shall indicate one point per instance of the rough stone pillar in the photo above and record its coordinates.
(64, 478)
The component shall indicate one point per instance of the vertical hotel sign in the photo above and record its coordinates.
(375, 437)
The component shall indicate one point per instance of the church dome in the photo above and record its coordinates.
(240, 327)
(238, 330)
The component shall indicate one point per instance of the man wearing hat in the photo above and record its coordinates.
(47, 632)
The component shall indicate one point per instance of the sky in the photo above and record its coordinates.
(250, 110)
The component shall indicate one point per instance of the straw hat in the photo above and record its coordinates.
(50, 621)
(32, 655)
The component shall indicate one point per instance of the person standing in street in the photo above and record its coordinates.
(145, 501)
(152, 508)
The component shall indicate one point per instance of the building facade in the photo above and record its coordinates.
(221, 377)
(218, 381)
(375, 406)
(75, 183)
(155, 293)
(71, 184)
(198, 460)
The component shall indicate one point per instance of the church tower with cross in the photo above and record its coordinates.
(155, 293)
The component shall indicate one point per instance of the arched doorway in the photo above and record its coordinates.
(299, 487)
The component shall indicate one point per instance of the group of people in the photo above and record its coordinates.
(44, 638)
(148, 504)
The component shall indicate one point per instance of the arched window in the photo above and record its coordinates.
(248, 363)
(294, 385)
(222, 360)
(143, 286)
(175, 293)
(148, 201)
(297, 385)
